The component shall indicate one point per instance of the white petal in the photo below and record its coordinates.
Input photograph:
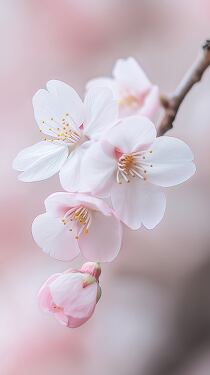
(54, 238)
(151, 104)
(40, 161)
(93, 203)
(105, 82)
(97, 168)
(101, 110)
(59, 102)
(134, 133)
(70, 176)
(171, 161)
(130, 75)
(103, 241)
(58, 204)
(138, 203)
(30, 154)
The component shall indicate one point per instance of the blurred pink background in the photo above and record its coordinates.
(154, 314)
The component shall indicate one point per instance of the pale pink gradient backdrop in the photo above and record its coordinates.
(75, 40)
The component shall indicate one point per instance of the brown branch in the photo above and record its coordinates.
(171, 104)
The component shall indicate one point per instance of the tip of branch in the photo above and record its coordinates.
(206, 45)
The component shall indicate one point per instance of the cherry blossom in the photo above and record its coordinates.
(76, 222)
(69, 126)
(130, 164)
(131, 88)
(72, 296)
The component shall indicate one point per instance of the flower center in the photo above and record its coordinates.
(132, 165)
(78, 219)
(128, 101)
(61, 130)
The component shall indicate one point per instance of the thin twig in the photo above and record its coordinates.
(171, 104)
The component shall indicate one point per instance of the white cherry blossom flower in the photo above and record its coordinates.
(131, 88)
(131, 164)
(69, 126)
(78, 222)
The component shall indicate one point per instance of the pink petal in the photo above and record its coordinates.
(92, 268)
(62, 318)
(138, 203)
(95, 204)
(75, 322)
(133, 133)
(54, 237)
(171, 161)
(103, 241)
(70, 321)
(44, 295)
(67, 292)
(58, 204)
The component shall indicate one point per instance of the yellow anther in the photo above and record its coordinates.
(128, 100)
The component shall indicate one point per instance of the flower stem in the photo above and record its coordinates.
(172, 103)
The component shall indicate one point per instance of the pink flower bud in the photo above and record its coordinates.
(94, 269)
(72, 296)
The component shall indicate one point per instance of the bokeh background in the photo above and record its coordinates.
(154, 317)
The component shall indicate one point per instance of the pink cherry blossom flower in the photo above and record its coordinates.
(68, 124)
(131, 88)
(78, 222)
(72, 296)
(131, 164)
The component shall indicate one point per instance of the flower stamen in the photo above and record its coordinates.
(63, 131)
(128, 101)
(80, 217)
(132, 165)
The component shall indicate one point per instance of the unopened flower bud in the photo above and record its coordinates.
(72, 296)
(94, 269)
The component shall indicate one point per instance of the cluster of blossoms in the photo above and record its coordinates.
(111, 165)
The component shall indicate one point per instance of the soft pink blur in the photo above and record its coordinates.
(134, 324)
